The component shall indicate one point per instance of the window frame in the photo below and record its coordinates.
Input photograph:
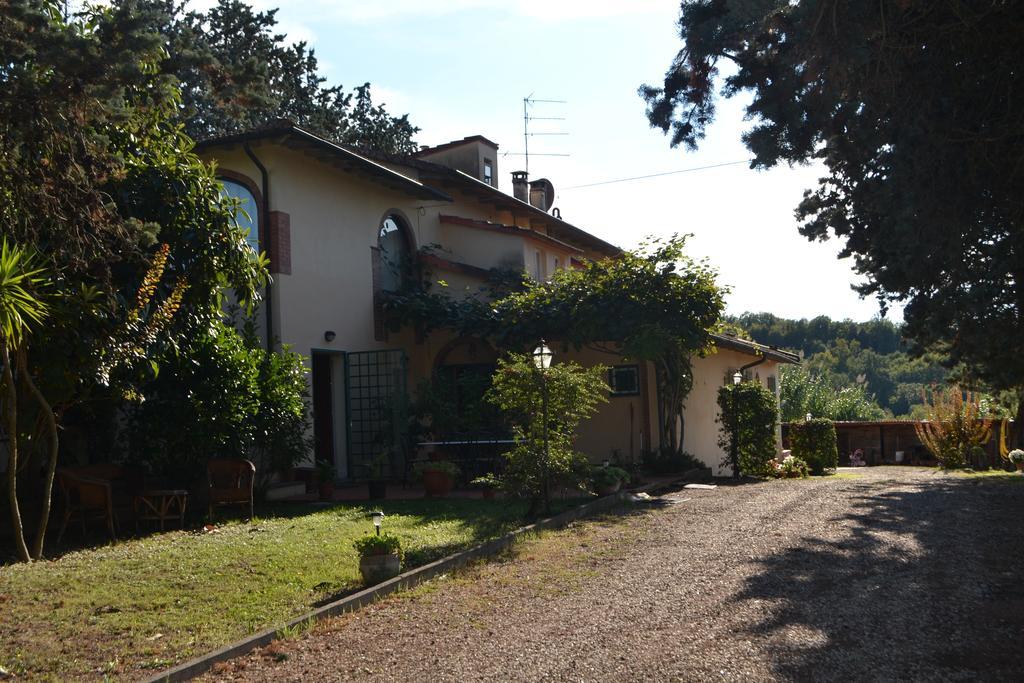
(405, 232)
(614, 391)
(225, 175)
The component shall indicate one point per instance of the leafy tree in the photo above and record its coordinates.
(544, 452)
(95, 176)
(802, 393)
(237, 72)
(912, 109)
(747, 428)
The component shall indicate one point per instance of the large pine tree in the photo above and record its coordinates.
(237, 72)
(913, 106)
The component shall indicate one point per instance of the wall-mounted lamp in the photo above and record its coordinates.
(737, 377)
(329, 335)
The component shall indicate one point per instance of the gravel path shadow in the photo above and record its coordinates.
(897, 574)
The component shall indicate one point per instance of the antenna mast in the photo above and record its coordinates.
(528, 102)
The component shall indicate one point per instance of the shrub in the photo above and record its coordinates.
(791, 467)
(449, 468)
(382, 544)
(487, 481)
(814, 442)
(668, 461)
(603, 477)
(573, 393)
(1016, 456)
(748, 414)
(221, 396)
(954, 428)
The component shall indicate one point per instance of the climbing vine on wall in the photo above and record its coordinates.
(653, 304)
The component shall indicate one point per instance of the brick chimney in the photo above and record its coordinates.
(520, 188)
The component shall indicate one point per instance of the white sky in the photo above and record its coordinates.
(463, 67)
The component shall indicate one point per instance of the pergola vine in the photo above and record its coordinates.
(653, 304)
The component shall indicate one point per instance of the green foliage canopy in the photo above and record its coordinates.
(237, 399)
(237, 71)
(911, 107)
(652, 304)
(801, 392)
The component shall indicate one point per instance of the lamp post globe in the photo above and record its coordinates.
(542, 356)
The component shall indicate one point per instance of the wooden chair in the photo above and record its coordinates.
(97, 491)
(231, 482)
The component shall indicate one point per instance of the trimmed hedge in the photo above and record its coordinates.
(814, 441)
(750, 410)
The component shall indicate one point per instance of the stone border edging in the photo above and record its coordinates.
(203, 663)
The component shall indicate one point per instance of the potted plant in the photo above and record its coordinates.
(438, 476)
(326, 474)
(488, 485)
(380, 557)
(377, 483)
(607, 479)
(1016, 456)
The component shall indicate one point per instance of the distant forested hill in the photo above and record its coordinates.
(843, 354)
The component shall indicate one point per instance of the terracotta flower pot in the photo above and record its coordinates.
(327, 490)
(489, 494)
(378, 568)
(1020, 466)
(437, 484)
(609, 489)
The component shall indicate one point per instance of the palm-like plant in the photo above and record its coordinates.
(22, 306)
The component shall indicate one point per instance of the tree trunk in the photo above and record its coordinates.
(51, 465)
(11, 417)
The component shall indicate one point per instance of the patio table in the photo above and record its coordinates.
(161, 505)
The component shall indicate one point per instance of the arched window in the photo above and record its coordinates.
(393, 241)
(248, 217)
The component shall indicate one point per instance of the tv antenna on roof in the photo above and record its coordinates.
(528, 102)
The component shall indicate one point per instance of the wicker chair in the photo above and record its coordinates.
(230, 482)
(97, 491)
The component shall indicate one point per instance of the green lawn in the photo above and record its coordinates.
(987, 475)
(141, 605)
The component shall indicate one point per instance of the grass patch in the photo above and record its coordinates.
(148, 603)
(843, 475)
(995, 476)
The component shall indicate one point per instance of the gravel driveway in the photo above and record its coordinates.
(891, 574)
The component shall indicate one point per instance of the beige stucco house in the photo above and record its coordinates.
(333, 221)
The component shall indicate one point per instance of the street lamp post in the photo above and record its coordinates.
(542, 356)
(734, 450)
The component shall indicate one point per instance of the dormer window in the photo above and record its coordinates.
(488, 172)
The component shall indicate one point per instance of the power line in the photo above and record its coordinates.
(656, 175)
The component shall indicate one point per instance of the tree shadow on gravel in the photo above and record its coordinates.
(923, 584)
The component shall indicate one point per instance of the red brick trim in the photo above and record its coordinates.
(279, 242)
